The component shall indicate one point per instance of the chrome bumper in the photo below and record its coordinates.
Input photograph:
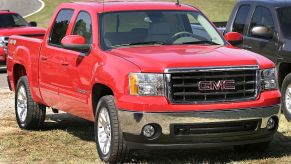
(133, 122)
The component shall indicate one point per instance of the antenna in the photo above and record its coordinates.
(178, 2)
(103, 5)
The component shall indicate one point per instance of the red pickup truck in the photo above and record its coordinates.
(149, 74)
(12, 23)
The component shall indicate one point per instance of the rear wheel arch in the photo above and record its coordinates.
(18, 72)
(98, 91)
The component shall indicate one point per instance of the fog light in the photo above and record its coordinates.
(271, 123)
(148, 131)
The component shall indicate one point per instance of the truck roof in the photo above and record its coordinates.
(275, 3)
(6, 12)
(125, 5)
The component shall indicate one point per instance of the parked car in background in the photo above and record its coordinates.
(12, 23)
(266, 29)
(149, 74)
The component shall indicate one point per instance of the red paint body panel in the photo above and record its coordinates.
(161, 104)
(27, 30)
(64, 80)
(135, 6)
(189, 56)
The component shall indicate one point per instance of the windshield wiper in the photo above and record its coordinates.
(201, 42)
(140, 43)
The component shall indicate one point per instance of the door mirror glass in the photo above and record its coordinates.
(33, 24)
(76, 43)
(262, 32)
(234, 38)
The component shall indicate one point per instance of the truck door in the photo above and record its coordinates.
(266, 46)
(74, 93)
(52, 59)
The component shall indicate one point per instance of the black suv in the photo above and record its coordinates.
(266, 29)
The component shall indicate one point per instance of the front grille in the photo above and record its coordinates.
(5, 43)
(184, 86)
(216, 128)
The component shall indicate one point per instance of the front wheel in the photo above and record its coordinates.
(110, 144)
(286, 97)
(29, 114)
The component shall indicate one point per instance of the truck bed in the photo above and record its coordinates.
(24, 50)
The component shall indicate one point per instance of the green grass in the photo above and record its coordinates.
(216, 10)
(44, 16)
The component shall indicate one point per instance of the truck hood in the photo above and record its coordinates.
(158, 58)
(25, 30)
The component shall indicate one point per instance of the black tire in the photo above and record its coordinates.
(35, 114)
(118, 151)
(285, 84)
(252, 148)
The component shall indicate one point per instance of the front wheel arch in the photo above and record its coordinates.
(99, 90)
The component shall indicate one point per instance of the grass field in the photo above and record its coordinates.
(216, 10)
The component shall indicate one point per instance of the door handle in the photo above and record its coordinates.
(247, 47)
(64, 63)
(43, 58)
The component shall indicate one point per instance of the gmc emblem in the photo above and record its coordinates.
(216, 86)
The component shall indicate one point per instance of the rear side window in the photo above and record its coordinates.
(284, 15)
(60, 26)
(83, 26)
(241, 18)
(262, 17)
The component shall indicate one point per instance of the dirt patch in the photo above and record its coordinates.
(68, 139)
(6, 103)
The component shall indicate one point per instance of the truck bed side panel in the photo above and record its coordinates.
(24, 51)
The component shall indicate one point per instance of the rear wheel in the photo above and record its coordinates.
(110, 144)
(257, 147)
(286, 97)
(29, 114)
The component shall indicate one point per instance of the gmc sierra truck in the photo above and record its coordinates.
(12, 23)
(149, 75)
(266, 26)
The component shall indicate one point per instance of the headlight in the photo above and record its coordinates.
(146, 84)
(269, 79)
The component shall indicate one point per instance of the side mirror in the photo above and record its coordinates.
(33, 24)
(76, 43)
(262, 32)
(234, 38)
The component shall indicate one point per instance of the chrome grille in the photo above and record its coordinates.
(5, 41)
(182, 84)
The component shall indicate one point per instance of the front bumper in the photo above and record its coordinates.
(132, 123)
(2, 55)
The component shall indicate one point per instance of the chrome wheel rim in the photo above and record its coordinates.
(288, 98)
(104, 131)
(21, 103)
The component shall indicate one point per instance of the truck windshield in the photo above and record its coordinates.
(121, 29)
(12, 20)
(284, 15)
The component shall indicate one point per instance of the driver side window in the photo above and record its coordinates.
(83, 26)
